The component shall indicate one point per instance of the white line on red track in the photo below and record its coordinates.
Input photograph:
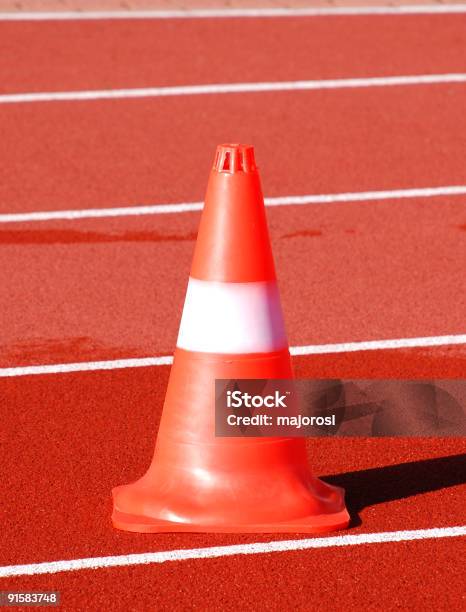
(232, 88)
(257, 548)
(162, 209)
(311, 349)
(425, 9)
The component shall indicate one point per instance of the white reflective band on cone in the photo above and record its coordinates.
(232, 318)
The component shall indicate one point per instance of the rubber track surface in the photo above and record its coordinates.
(114, 288)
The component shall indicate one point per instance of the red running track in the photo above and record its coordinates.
(76, 428)
(121, 54)
(124, 152)
(412, 575)
(70, 438)
(114, 288)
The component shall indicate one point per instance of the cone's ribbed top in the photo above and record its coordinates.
(233, 241)
(234, 158)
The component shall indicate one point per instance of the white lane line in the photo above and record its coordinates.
(86, 366)
(96, 213)
(376, 345)
(311, 349)
(425, 9)
(256, 548)
(228, 88)
(163, 209)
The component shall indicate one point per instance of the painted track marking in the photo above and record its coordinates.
(422, 9)
(311, 349)
(53, 567)
(228, 88)
(163, 209)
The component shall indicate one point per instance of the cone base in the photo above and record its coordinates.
(319, 523)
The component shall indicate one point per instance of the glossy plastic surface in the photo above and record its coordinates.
(197, 482)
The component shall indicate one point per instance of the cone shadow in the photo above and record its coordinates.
(393, 482)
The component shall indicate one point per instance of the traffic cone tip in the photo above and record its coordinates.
(234, 158)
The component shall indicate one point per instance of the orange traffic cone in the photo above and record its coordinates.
(231, 328)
